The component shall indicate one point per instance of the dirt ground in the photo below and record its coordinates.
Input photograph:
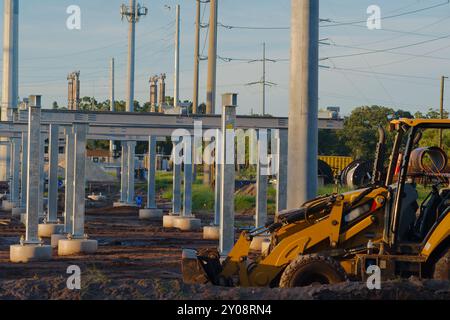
(140, 260)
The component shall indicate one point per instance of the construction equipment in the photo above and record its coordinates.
(340, 236)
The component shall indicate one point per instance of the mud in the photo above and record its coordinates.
(141, 260)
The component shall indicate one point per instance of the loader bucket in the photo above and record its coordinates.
(200, 267)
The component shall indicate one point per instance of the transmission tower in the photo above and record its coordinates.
(263, 82)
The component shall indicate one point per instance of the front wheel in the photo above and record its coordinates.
(312, 269)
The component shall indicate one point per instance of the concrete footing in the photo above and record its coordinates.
(23, 217)
(16, 212)
(30, 252)
(149, 214)
(45, 230)
(67, 247)
(168, 220)
(211, 232)
(123, 204)
(7, 205)
(55, 239)
(187, 223)
(256, 244)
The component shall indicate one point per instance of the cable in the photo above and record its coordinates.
(252, 28)
(337, 24)
(334, 23)
(373, 51)
(94, 49)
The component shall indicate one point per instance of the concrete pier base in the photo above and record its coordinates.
(16, 212)
(187, 223)
(7, 205)
(54, 240)
(211, 232)
(23, 217)
(168, 220)
(69, 247)
(30, 252)
(257, 242)
(150, 214)
(124, 204)
(45, 230)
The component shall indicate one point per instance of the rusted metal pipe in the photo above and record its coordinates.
(428, 159)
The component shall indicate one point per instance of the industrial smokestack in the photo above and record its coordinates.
(162, 91)
(73, 90)
(153, 93)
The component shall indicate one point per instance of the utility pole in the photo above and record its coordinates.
(442, 107)
(263, 81)
(211, 81)
(304, 98)
(212, 59)
(196, 59)
(10, 83)
(132, 13)
(112, 106)
(176, 87)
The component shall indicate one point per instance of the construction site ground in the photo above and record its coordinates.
(141, 260)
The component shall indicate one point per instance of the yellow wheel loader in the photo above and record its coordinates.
(337, 237)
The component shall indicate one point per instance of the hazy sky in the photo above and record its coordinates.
(406, 76)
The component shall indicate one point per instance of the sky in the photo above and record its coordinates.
(399, 65)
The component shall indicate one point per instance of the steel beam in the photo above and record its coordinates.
(218, 177)
(15, 172)
(124, 173)
(261, 180)
(282, 169)
(53, 152)
(131, 172)
(187, 156)
(69, 180)
(176, 194)
(33, 171)
(151, 176)
(23, 171)
(226, 241)
(79, 185)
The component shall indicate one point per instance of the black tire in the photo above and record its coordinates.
(312, 269)
(442, 267)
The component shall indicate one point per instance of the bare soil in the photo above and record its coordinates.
(141, 260)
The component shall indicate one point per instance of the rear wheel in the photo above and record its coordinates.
(312, 269)
(442, 267)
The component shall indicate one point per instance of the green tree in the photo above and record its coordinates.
(360, 133)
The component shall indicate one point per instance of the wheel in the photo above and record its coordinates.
(442, 267)
(312, 269)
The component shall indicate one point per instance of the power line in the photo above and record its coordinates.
(333, 22)
(373, 51)
(96, 48)
(337, 24)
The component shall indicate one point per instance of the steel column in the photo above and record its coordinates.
(53, 152)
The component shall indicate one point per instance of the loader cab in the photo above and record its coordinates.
(412, 217)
